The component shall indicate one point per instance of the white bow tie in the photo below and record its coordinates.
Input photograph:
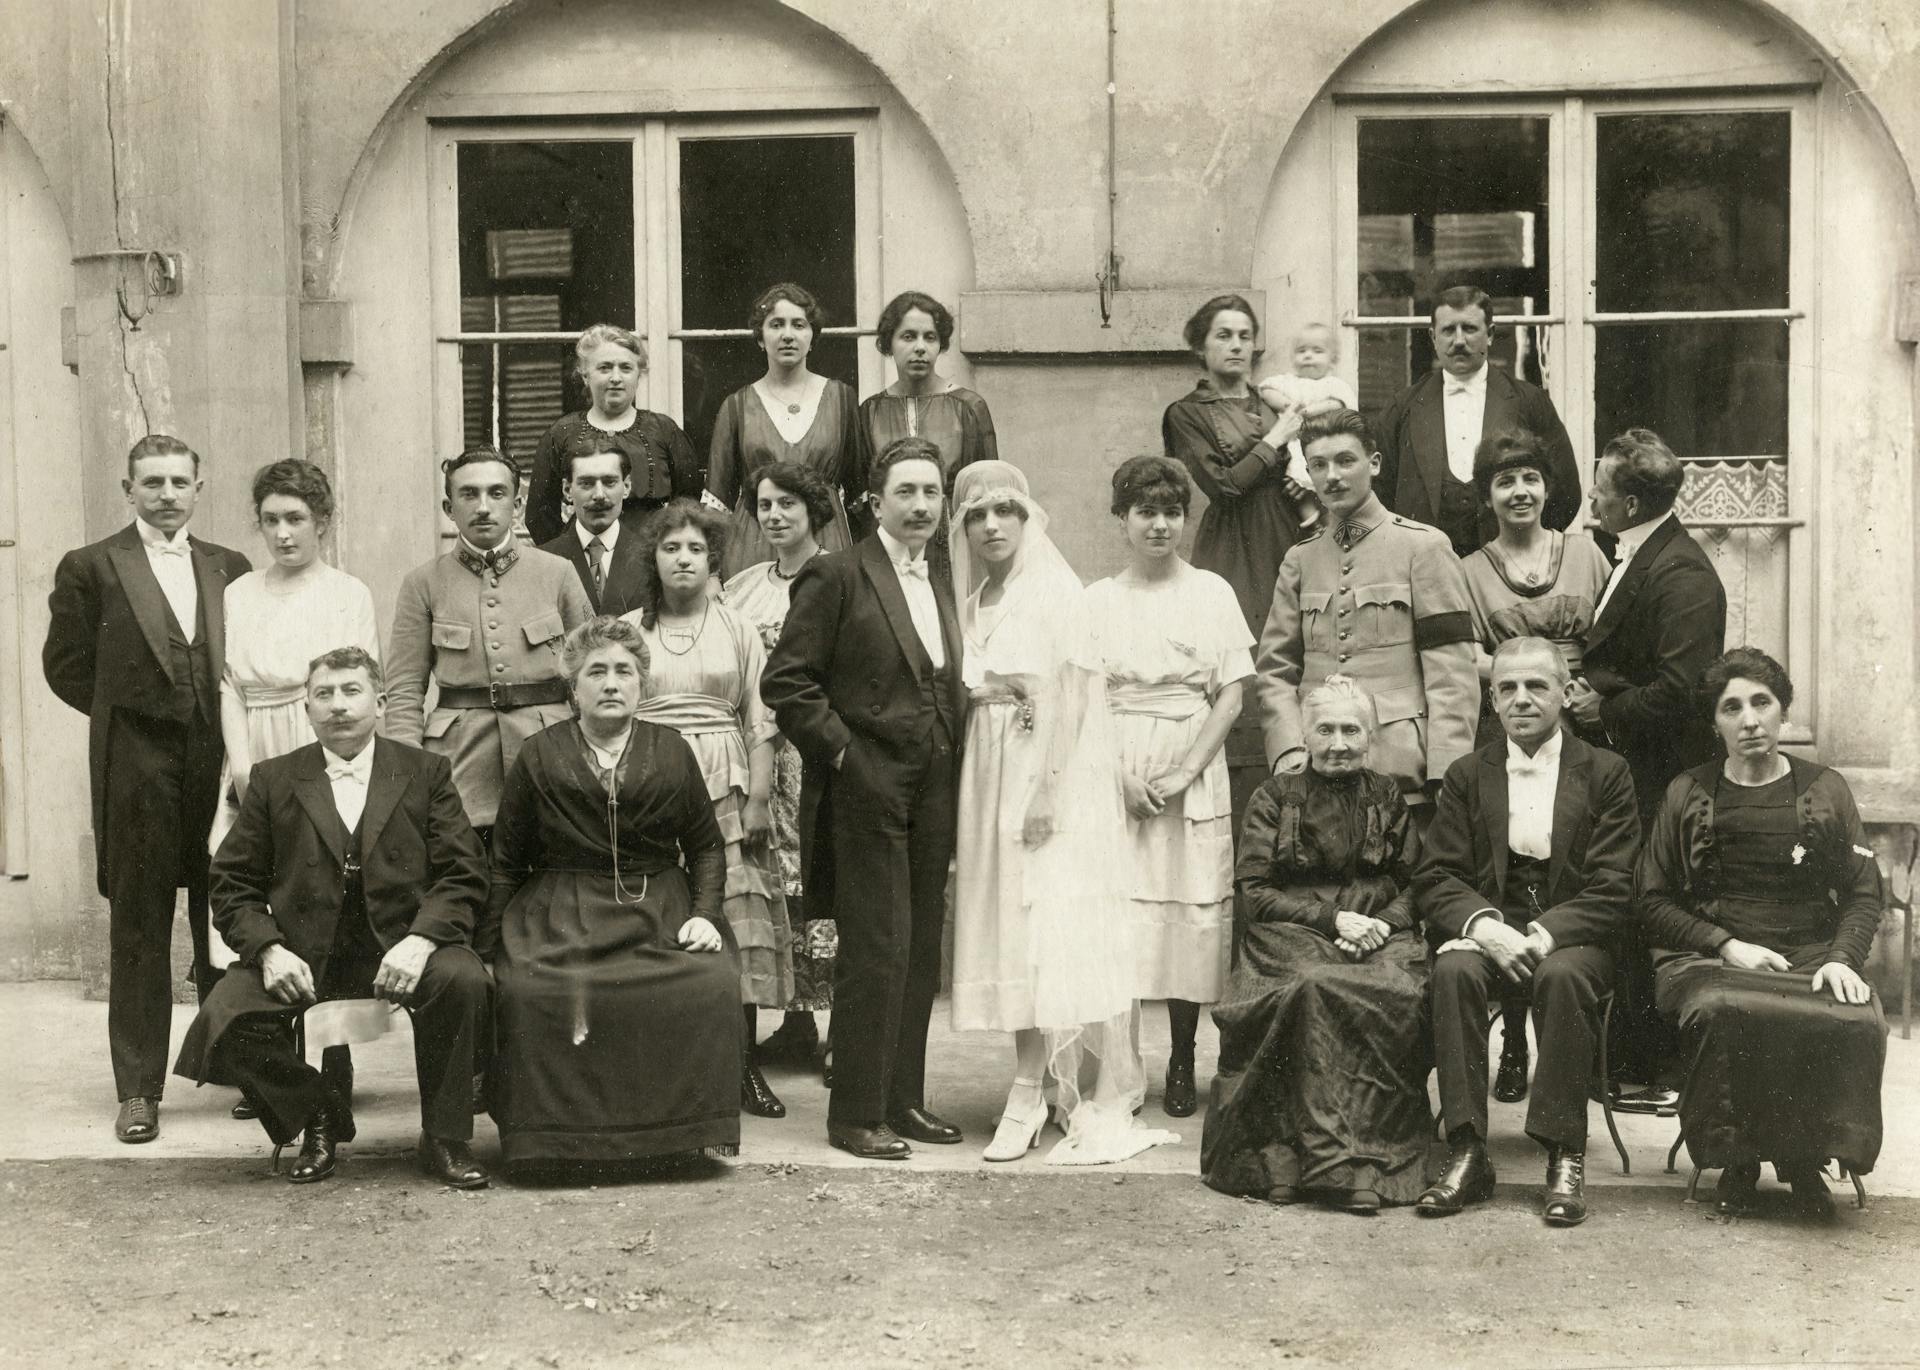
(342, 770)
(917, 569)
(170, 549)
(1458, 387)
(1531, 767)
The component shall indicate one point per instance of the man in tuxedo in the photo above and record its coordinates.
(351, 872)
(484, 622)
(1661, 619)
(610, 563)
(1526, 876)
(1428, 435)
(137, 642)
(866, 682)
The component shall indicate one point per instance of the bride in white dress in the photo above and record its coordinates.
(1041, 944)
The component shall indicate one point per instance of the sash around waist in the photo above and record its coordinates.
(272, 696)
(1157, 701)
(688, 713)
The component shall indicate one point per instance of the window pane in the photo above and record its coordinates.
(546, 237)
(1710, 389)
(1391, 359)
(713, 368)
(511, 393)
(1459, 201)
(1692, 211)
(754, 211)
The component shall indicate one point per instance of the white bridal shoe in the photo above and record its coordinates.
(1019, 1129)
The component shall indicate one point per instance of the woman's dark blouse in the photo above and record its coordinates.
(665, 466)
(1784, 865)
(555, 817)
(1311, 845)
(1249, 522)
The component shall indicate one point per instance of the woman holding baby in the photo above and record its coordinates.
(1234, 440)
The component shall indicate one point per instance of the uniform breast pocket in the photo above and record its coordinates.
(452, 637)
(547, 628)
(1317, 620)
(1382, 615)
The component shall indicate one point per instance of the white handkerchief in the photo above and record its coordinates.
(342, 1022)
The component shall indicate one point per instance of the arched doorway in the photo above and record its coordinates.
(1688, 223)
(655, 165)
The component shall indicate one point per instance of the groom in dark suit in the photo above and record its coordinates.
(866, 682)
(1429, 435)
(1526, 877)
(351, 872)
(137, 643)
(599, 539)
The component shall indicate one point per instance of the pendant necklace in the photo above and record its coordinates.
(689, 635)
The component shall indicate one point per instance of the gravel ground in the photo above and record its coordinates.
(203, 1263)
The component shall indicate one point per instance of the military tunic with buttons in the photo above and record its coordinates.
(474, 622)
(1391, 610)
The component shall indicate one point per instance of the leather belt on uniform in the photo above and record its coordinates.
(499, 695)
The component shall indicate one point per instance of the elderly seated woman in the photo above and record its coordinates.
(1761, 900)
(618, 1001)
(1321, 1089)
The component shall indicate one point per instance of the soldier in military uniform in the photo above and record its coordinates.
(485, 621)
(1380, 598)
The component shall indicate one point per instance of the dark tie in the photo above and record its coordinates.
(1347, 534)
(597, 559)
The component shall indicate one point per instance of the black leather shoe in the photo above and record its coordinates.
(1566, 1204)
(1736, 1191)
(795, 1042)
(1810, 1196)
(451, 1163)
(1365, 1202)
(245, 1110)
(1467, 1179)
(138, 1120)
(1180, 1099)
(319, 1150)
(1510, 1083)
(916, 1124)
(756, 1096)
(880, 1143)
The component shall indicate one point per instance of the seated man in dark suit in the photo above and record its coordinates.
(1428, 436)
(1526, 876)
(350, 873)
(599, 481)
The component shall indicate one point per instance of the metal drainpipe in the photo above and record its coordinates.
(1108, 277)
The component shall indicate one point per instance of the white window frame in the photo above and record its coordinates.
(1570, 327)
(655, 141)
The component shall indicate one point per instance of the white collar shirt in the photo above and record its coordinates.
(916, 584)
(172, 563)
(349, 779)
(608, 538)
(1631, 540)
(1464, 404)
(1533, 782)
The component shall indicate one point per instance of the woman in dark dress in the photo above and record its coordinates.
(915, 330)
(1233, 444)
(789, 414)
(1761, 899)
(611, 360)
(618, 1000)
(1324, 1046)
